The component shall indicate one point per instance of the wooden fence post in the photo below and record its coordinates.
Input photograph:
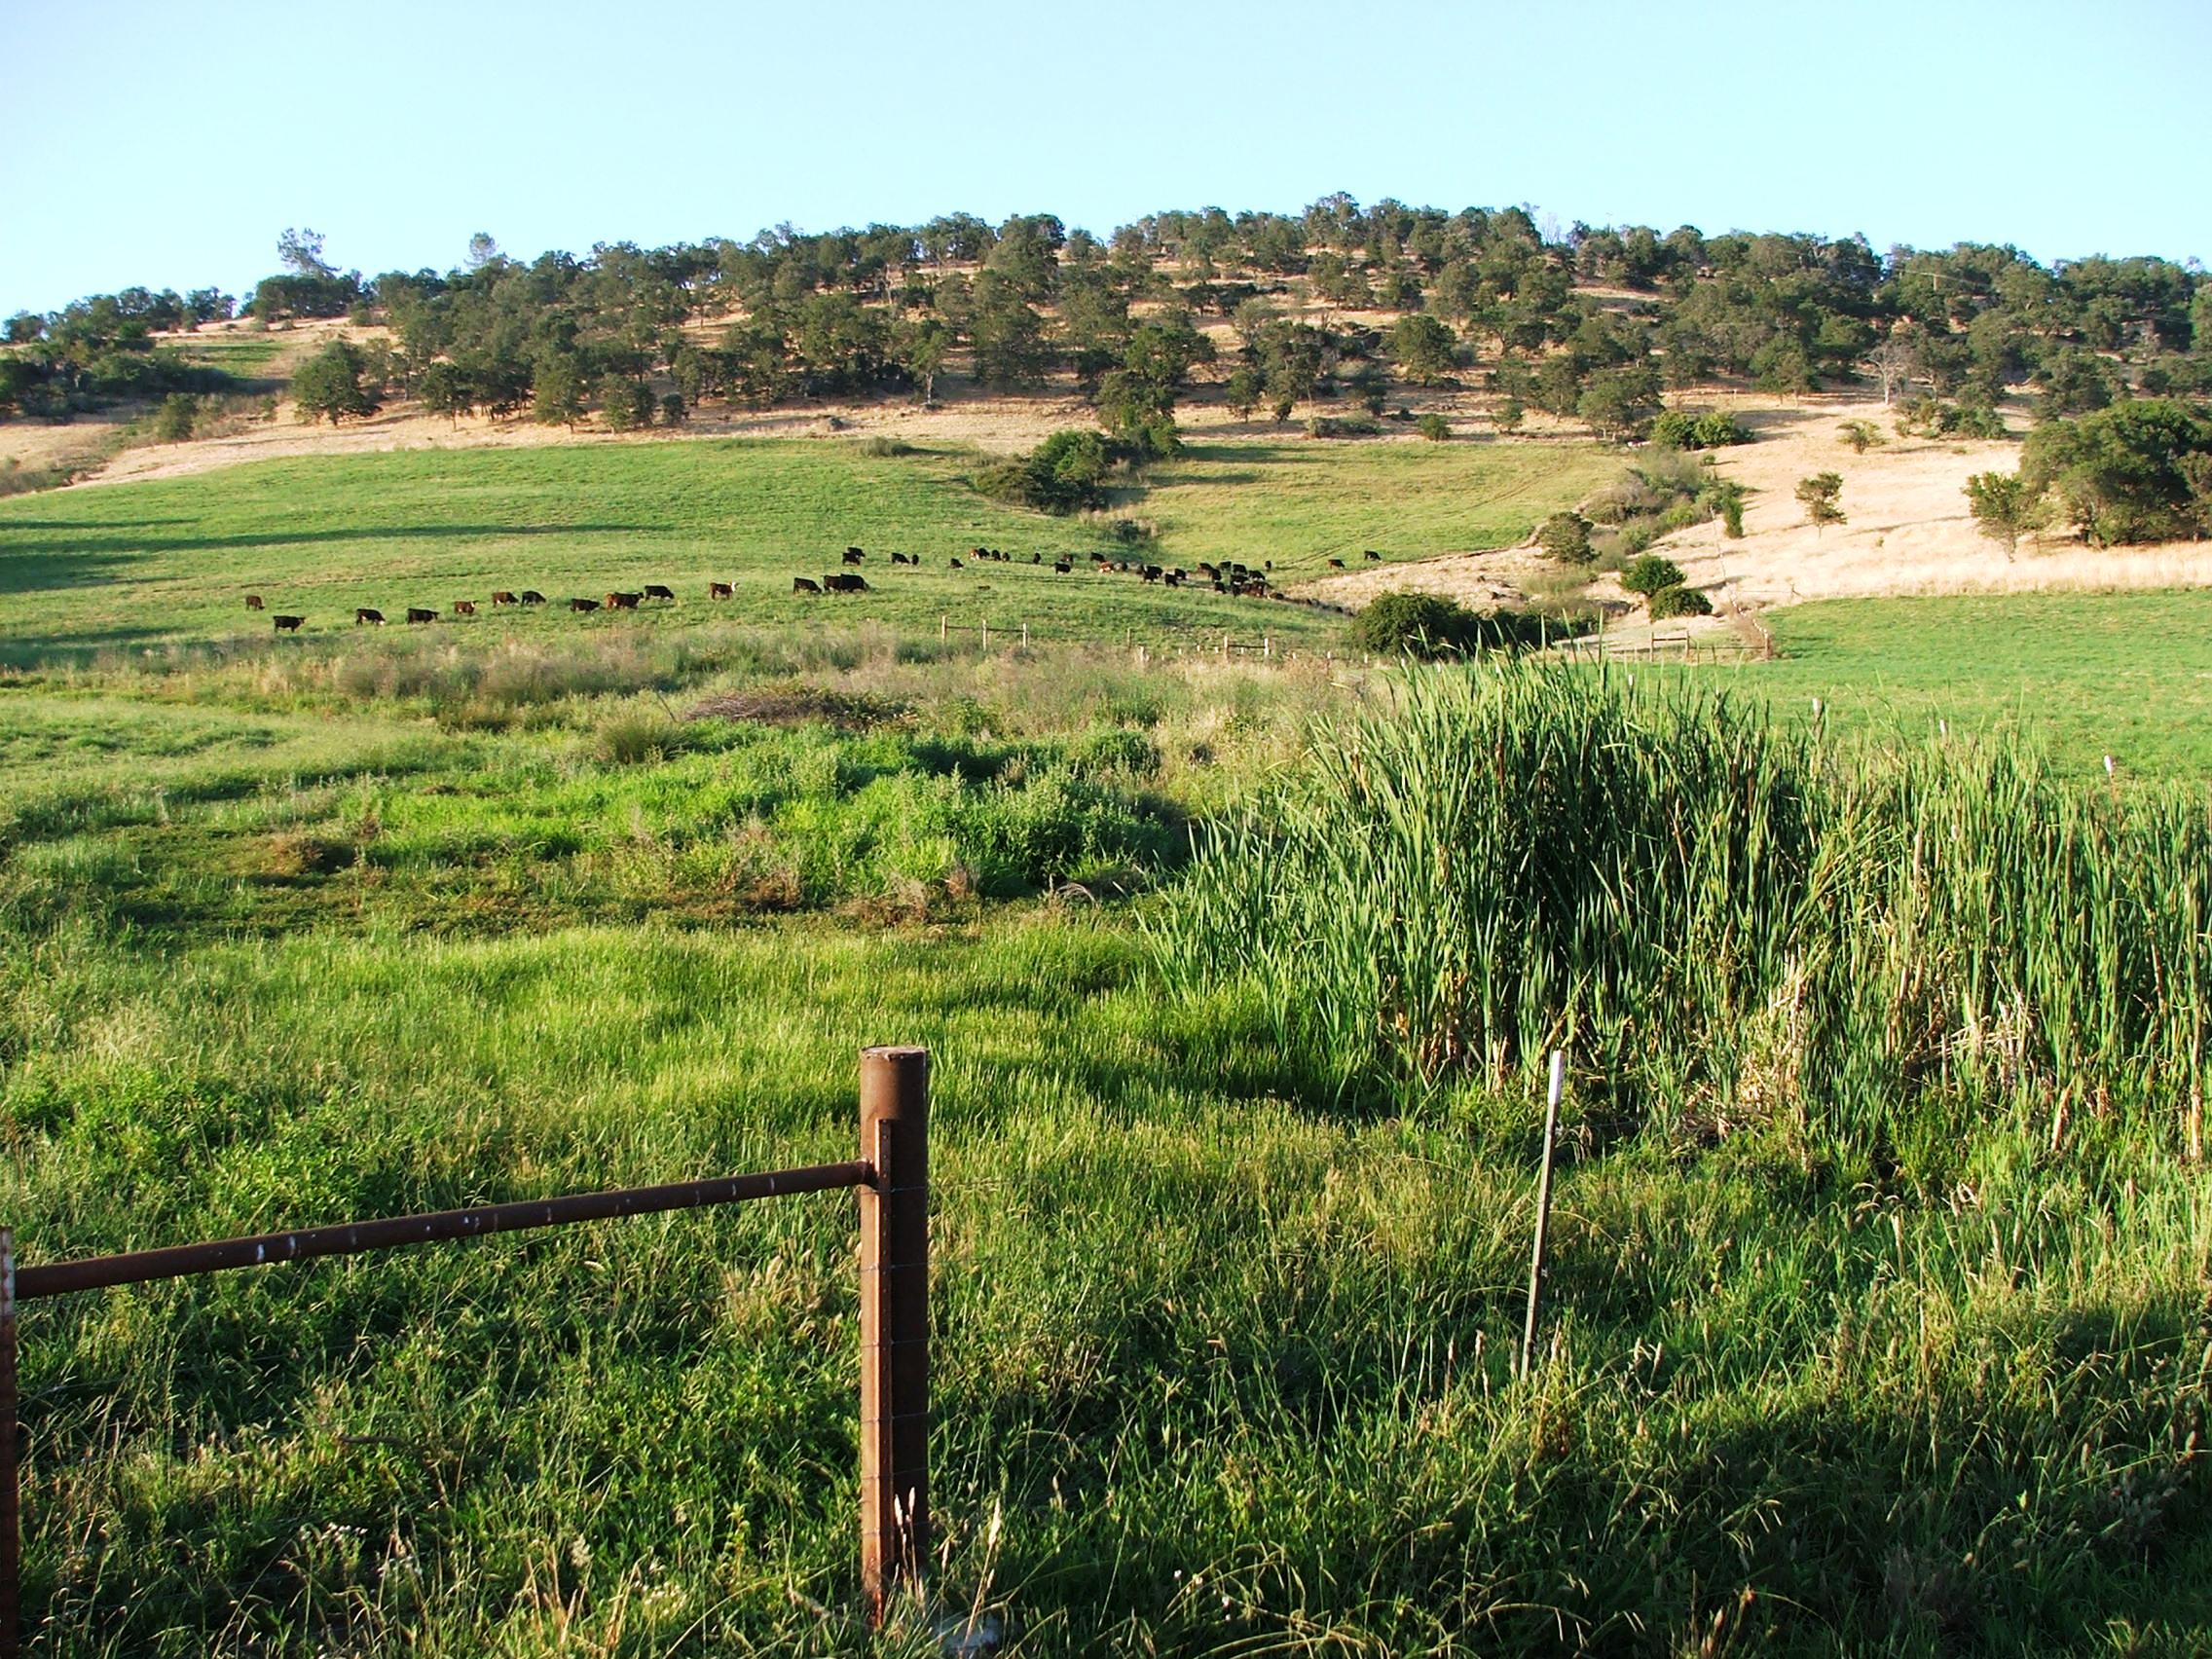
(942, 628)
(895, 1323)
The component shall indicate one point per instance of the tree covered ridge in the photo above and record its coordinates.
(1595, 323)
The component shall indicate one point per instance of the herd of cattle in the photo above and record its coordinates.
(1229, 578)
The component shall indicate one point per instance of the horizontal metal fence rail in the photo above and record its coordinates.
(892, 1175)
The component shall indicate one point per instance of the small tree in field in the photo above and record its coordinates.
(1509, 414)
(1820, 494)
(2004, 508)
(174, 420)
(1861, 435)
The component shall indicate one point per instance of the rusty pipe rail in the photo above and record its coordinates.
(892, 1175)
(357, 1238)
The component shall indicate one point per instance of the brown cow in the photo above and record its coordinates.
(502, 597)
(289, 624)
(653, 590)
(719, 590)
(416, 614)
(465, 608)
(253, 602)
(584, 606)
(805, 584)
(365, 614)
(531, 596)
(623, 601)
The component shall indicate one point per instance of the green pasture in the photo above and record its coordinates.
(83, 571)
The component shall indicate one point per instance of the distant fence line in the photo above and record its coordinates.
(890, 1174)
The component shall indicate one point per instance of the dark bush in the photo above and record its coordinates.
(1679, 601)
(1434, 428)
(1429, 626)
(1566, 536)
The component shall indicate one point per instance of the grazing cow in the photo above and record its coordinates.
(583, 607)
(852, 555)
(1377, 557)
(1177, 577)
(654, 590)
(502, 597)
(289, 624)
(253, 602)
(958, 565)
(416, 614)
(1151, 572)
(465, 608)
(843, 583)
(623, 601)
(374, 619)
(1036, 558)
(1336, 564)
(719, 590)
(1211, 573)
(901, 558)
(531, 596)
(805, 584)
(1062, 566)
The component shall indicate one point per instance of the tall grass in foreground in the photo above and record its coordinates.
(1727, 920)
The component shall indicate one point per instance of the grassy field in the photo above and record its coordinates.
(2128, 674)
(1883, 1253)
(94, 569)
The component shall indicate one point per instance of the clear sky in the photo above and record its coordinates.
(169, 145)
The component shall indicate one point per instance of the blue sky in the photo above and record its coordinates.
(169, 145)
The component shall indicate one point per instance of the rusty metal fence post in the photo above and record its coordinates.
(895, 1323)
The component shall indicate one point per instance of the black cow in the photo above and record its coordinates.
(843, 582)
(623, 601)
(854, 555)
(583, 607)
(416, 614)
(805, 584)
(373, 617)
(531, 596)
(1377, 557)
(1062, 566)
(654, 590)
(287, 625)
(958, 565)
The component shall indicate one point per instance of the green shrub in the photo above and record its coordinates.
(1650, 574)
(174, 420)
(1065, 475)
(1677, 428)
(1434, 428)
(1343, 427)
(1430, 626)
(1678, 601)
(884, 448)
(1566, 536)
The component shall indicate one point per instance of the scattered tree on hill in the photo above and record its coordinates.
(1894, 360)
(1648, 574)
(301, 253)
(1861, 435)
(2004, 508)
(174, 420)
(2196, 474)
(1434, 428)
(1509, 414)
(1566, 536)
(444, 388)
(1821, 494)
(1726, 498)
(2123, 473)
(481, 250)
(626, 404)
(557, 391)
(329, 385)
(1423, 348)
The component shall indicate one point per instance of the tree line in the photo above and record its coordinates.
(1594, 325)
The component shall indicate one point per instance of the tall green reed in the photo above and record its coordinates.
(1719, 915)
